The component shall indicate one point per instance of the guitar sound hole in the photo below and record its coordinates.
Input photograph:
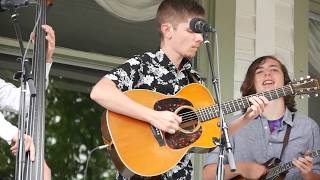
(189, 119)
(190, 130)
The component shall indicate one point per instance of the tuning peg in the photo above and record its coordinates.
(301, 97)
(308, 77)
(308, 96)
(301, 78)
(316, 95)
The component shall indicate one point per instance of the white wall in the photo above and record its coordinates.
(263, 27)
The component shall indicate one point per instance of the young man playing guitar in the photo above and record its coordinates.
(265, 136)
(166, 71)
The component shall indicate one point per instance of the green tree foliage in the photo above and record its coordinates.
(72, 129)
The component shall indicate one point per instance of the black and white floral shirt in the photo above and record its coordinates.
(154, 71)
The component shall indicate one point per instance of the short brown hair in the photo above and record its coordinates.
(248, 88)
(174, 11)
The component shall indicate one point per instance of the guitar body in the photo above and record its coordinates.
(139, 148)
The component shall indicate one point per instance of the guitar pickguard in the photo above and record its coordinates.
(180, 139)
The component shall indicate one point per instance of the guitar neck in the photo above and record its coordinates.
(286, 166)
(212, 112)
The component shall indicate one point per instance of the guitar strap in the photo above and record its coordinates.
(191, 77)
(286, 138)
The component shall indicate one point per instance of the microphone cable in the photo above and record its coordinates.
(89, 156)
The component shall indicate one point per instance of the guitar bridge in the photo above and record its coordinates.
(158, 136)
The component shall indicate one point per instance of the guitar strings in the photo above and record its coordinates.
(243, 99)
(206, 112)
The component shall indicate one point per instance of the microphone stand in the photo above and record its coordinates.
(24, 78)
(224, 144)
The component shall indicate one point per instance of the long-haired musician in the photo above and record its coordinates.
(264, 137)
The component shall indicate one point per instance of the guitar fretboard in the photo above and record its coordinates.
(211, 112)
(286, 166)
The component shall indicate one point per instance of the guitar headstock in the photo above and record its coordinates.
(306, 86)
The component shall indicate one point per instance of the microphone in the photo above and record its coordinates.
(199, 25)
(15, 4)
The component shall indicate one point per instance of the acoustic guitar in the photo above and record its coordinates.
(136, 147)
(277, 170)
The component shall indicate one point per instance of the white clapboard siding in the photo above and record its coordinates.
(263, 27)
(285, 33)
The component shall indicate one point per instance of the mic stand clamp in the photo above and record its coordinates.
(28, 77)
(224, 143)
